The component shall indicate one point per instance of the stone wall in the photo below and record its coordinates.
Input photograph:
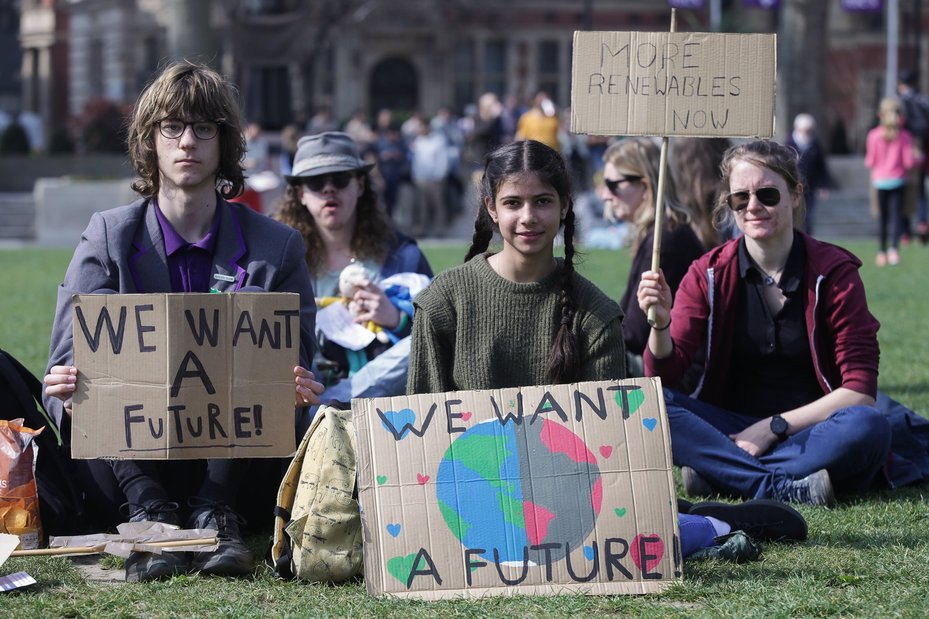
(20, 172)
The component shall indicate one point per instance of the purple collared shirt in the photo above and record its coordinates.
(189, 264)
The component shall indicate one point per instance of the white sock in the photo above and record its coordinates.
(721, 528)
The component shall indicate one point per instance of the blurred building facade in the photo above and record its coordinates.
(291, 57)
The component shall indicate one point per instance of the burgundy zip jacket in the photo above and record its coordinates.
(842, 332)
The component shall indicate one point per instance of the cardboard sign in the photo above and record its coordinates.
(538, 490)
(180, 376)
(673, 84)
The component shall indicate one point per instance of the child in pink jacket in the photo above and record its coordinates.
(890, 155)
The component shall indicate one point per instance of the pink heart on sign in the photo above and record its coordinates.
(651, 546)
(606, 451)
(466, 415)
(422, 479)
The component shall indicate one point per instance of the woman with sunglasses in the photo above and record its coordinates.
(630, 177)
(330, 200)
(785, 406)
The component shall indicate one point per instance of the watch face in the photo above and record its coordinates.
(778, 425)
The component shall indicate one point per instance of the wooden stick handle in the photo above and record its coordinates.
(659, 201)
(89, 550)
(64, 550)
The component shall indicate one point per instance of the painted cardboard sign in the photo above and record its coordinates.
(181, 376)
(673, 84)
(536, 490)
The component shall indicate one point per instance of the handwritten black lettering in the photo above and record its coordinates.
(523, 573)
(594, 565)
(547, 404)
(431, 571)
(244, 325)
(470, 564)
(547, 552)
(216, 427)
(505, 419)
(452, 416)
(129, 419)
(599, 408)
(198, 372)
(399, 433)
(645, 556)
(116, 335)
(205, 332)
(612, 557)
(141, 329)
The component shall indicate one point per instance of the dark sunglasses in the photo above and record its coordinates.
(613, 184)
(769, 196)
(339, 180)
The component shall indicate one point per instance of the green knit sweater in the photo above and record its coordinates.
(474, 329)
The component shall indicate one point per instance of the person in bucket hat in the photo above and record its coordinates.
(331, 201)
(326, 153)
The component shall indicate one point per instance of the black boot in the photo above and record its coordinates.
(144, 566)
(232, 557)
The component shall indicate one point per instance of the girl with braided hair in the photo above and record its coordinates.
(523, 317)
(520, 316)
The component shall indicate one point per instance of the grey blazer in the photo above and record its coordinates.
(122, 250)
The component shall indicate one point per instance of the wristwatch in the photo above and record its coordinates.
(779, 427)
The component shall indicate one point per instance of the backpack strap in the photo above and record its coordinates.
(28, 391)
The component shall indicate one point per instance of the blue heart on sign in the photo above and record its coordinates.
(393, 529)
(401, 421)
(650, 423)
(589, 553)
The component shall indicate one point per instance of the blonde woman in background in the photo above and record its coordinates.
(630, 181)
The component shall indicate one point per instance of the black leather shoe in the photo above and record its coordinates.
(145, 566)
(232, 557)
(762, 519)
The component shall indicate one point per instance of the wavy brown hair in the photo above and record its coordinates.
(187, 91)
(372, 237)
(695, 165)
(530, 156)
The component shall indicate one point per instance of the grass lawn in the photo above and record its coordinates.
(868, 557)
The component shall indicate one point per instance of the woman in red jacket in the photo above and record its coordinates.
(785, 406)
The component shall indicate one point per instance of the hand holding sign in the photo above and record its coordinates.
(307, 388)
(60, 382)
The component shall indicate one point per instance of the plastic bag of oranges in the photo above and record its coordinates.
(19, 497)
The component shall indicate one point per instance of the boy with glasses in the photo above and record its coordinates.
(186, 146)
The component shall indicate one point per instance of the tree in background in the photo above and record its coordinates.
(802, 41)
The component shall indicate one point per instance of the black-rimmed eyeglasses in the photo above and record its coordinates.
(203, 129)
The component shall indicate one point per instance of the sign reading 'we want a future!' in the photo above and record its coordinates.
(533, 490)
(181, 376)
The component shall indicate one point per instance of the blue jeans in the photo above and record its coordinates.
(852, 444)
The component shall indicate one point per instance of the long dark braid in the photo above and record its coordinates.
(496, 166)
(530, 156)
(564, 360)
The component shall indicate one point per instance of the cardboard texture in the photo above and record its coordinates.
(673, 84)
(185, 376)
(537, 490)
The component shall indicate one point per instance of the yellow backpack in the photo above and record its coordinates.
(317, 525)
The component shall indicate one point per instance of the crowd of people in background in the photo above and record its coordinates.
(426, 167)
